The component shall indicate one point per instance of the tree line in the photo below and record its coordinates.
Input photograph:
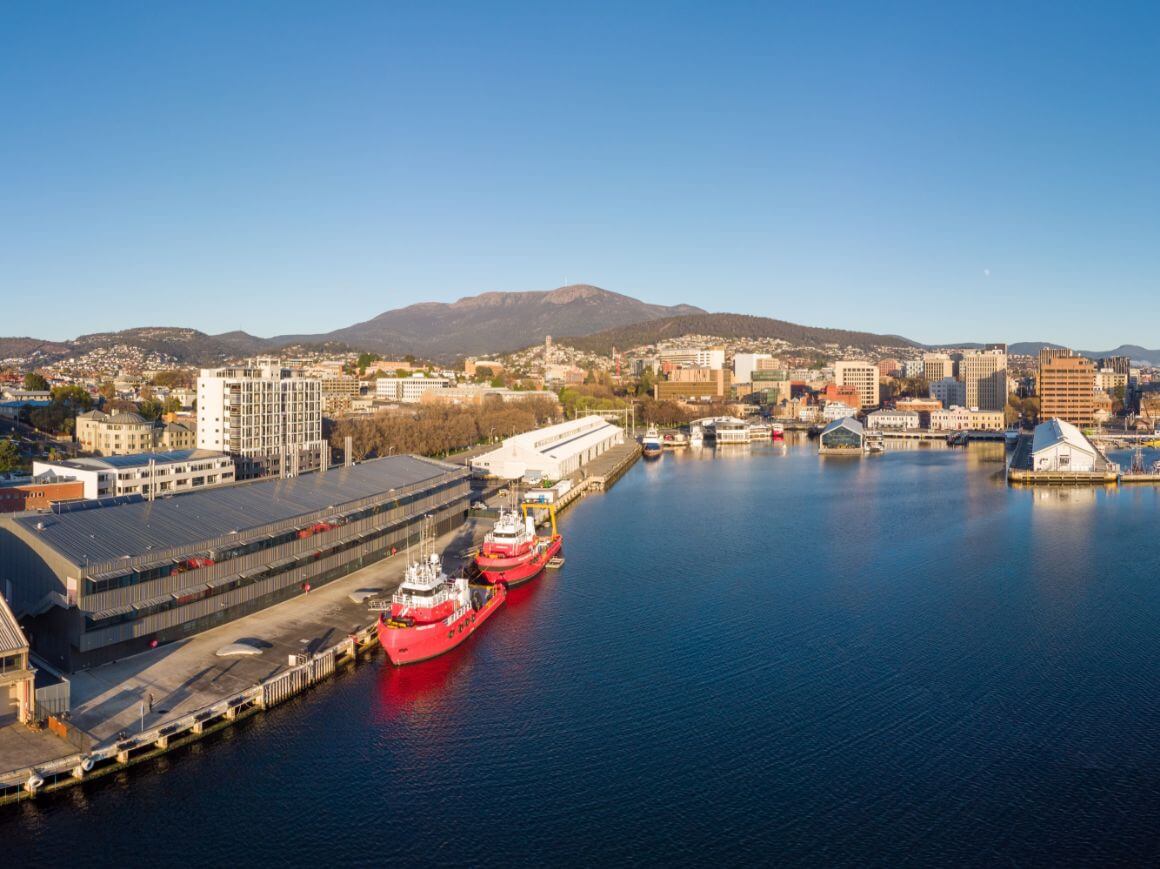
(437, 430)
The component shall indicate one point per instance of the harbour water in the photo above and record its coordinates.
(751, 655)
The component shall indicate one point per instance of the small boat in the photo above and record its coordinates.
(777, 431)
(509, 542)
(651, 444)
(696, 436)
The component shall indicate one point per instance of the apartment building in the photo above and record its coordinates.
(266, 416)
(125, 433)
(948, 391)
(863, 376)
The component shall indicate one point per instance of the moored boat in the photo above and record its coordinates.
(651, 444)
(696, 436)
(509, 542)
(778, 431)
(543, 550)
(430, 614)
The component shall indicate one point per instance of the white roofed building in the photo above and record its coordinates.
(1059, 446)
(554, 452)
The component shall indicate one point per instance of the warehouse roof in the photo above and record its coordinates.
(1054, 431)
(104, 533)
(11, 637)
(136, 460)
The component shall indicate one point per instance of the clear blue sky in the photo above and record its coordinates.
(985, 173)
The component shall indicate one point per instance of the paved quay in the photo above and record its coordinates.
(21, 746)
(188, 675)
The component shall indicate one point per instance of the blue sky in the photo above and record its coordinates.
(986, 172)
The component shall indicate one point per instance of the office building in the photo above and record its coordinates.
(984, 377)
(1066, 389)
(408, 390)
(936, 366)
(948, 392)
(125, 433)
(863, 376)
(893, 420)
(38, 492)
(151, 475)
(110, 581)
(266, 416)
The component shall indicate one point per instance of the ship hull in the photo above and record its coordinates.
(652, 452)
(503, 562)
(412, 645)
(528, 571)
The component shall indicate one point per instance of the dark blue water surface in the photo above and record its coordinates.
(750, 656)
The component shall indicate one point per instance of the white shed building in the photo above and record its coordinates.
(1060, 446)
(554, 452)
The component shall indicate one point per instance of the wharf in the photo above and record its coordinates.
(303, 641)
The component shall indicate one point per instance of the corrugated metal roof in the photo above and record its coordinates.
(11, 637)
(105, 533)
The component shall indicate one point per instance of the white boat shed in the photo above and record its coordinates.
(1060, 446)
(554, 452)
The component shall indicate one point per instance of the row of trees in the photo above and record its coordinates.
(437, 430)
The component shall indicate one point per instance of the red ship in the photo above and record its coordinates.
(527, 566)
(509, 543)
(431, 614)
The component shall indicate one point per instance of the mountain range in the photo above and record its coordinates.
(581, 315)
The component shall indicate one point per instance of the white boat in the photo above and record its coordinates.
(651, 444)
(696, 436)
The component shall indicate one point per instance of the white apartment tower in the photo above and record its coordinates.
(863, 376)
(266, 416)
(984, 376)
(936, 366)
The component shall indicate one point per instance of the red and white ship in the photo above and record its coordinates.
(508, 544)
(431, 614)
(778, 431)
(530, 563)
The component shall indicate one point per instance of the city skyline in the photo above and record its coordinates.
(860, 171)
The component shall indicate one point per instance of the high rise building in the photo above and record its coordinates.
(1119, 364)
(949, 392)
(266, 416)
(1047, 353)
(863, 376)
(936, 366)
(984, 377)
(1067, 389)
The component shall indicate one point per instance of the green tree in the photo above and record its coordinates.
(9, 456)
(150, 408)
(172, 405)
(75, 396)
(365, 359)
(35, 382)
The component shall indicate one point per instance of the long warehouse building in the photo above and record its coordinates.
(103, 582)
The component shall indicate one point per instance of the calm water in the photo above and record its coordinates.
(758, 655)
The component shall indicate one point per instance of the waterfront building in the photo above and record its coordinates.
(863, 376)
(553, 452)
(106, 582)
(948, 392)
(834, 410)
(984, 377)
(38, 492)
(936, 366)
(842, 436)
(893, 420)
(1066, 389)
(967, 419)
(124, 433)
(408, 390)
(149, 474)
(17, 678)
(266, 416)
(1058, 445)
